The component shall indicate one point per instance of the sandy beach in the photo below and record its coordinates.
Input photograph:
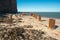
(43, 25)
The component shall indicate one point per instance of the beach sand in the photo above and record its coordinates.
(38, 25)
(42, 25)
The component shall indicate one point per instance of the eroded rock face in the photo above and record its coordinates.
(22, 34)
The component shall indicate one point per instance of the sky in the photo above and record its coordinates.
(38, 5)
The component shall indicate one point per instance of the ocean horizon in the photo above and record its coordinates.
(45, 14)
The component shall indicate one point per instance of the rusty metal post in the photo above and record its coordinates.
(31, 14)
(51, 23)
(23, 14)
(39, 18)
(10, 18)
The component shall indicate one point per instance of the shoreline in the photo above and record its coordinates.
(50, 17)
(54, 14)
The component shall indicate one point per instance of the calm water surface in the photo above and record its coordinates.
(47, 14)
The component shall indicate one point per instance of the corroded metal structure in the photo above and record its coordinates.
(8, 6)
(51, 23)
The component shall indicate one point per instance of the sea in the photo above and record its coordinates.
(45, 14)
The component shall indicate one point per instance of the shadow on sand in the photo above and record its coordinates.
(56, 26)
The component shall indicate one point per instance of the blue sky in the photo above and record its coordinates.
(38, 5)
